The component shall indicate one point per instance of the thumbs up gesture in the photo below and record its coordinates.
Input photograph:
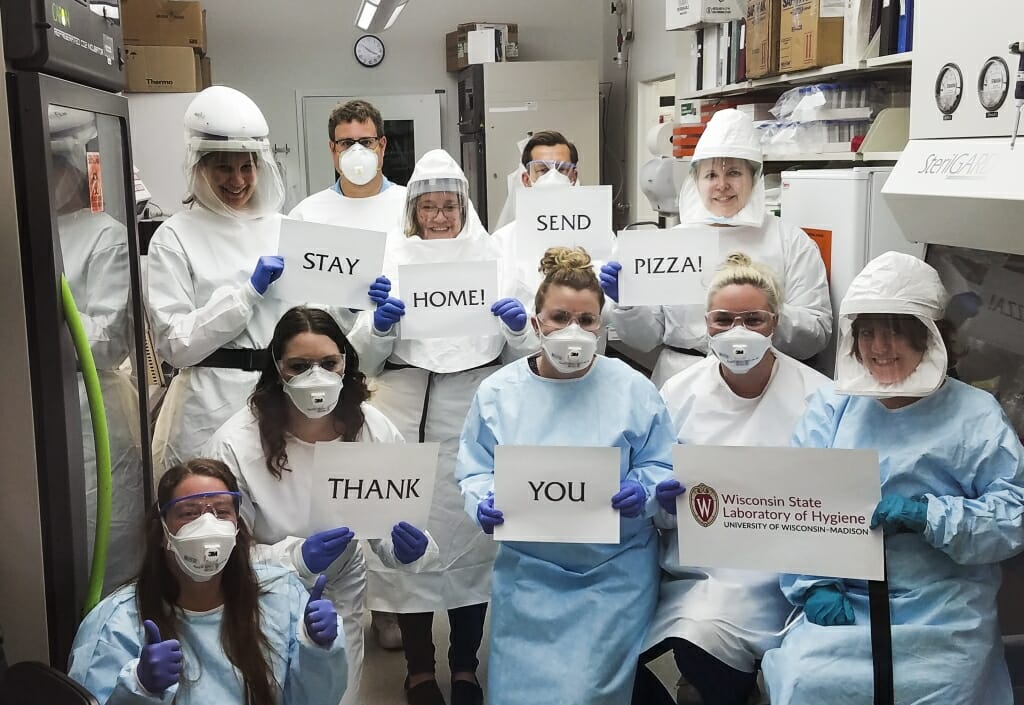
(321, 617)
(159, 662)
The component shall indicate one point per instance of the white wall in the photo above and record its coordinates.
(269, 49)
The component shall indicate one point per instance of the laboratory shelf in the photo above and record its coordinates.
(903, 59)
(814, 157)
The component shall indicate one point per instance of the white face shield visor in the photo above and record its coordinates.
(723, 183)
(237, 178)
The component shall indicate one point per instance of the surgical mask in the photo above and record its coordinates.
(358, 164)
(552, 177)
(202, 546)
(315, 392)
(570, 349)
(740, 349)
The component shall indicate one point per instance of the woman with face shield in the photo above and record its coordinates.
(568, 620)
(725, 196)
(202, 623)
(311, 392)
(952, 480)
(426, 387)
(211, 272)
(719, 622)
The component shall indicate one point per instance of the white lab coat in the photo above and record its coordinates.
(277, 511)
(382, 212)
(450, 369)
(201, 300)
(734, 615)
(805, 324)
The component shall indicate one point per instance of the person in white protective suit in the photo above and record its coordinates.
(211, 271)
(311, 392)
(513, 184)
(94, 250)
(719, 622)
(952, 480)
(426, 387)
(725, 191)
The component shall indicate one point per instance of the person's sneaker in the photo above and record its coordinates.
(385, 628)
(425, 693)
(466, 693)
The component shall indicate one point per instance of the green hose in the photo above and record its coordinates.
(100, 438)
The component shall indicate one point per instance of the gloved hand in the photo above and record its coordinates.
(609, 278)
(268, 269)
(827, 606)
(487, 515)
(379, 290)
(410, 543)
(666, 494)
(323, 548)
(159, 662)
(321, 617)
(511, 312)
(896, 514)
(630, 499)
(388, 313)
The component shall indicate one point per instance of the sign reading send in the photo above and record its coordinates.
(570, 216)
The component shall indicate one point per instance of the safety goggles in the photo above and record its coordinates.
(559, 319)
(223, 504)
(538, 167)
(297, 365)
(368, 142)
(719, 319)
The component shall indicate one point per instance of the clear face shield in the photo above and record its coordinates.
(889, 355)
(240, 180)
(436, 208)
(723, 191)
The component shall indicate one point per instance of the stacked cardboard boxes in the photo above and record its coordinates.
(165, 45)
(481, 43)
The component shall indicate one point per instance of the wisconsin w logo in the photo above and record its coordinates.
(704, 504)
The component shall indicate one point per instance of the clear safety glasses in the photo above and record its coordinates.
(427, 210)
(721, 320)
(559, 319)
(224, 505)
(297, 365)
(538, 167)
(368, 142)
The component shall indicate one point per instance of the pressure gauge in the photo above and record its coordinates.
(949, 88)
(994, 84)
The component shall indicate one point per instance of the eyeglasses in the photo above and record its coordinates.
(298, 365)
(368, 142)
(724, 320)
(429, 211)
(539, 167)
(224, 505)
(562, 319)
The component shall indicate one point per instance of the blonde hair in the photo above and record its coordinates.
(739, 269)
(567, 266)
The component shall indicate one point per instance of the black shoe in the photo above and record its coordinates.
(466, 693)
(425, 693)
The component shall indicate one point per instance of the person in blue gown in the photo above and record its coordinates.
(568, 620)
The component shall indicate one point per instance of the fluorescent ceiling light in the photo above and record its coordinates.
(366, 13)
(378, 15)
(394, 16)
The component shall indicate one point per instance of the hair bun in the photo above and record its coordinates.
(564, 259)
(738, 259)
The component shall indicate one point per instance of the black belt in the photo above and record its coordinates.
(388, 365)
(687, 351)
(237, 359)
(881, 641)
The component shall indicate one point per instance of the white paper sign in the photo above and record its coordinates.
(571, 216)
(370, 487)
(556, 494)
(787, 510)
(666, 267)
(1000, 318)
(448, 299)
(328, 264)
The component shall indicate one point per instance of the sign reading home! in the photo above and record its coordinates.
(449, 299)
(569, 216)
(794, 510)
(666, 267)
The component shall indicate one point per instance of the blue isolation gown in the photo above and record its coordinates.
(106, 651)
(955, 449)
(568, 620)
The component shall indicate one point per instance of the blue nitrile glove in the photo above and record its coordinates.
(410, 543)
(321, 617)
(487, 515)
(610, 280)
(827, 606)
(511, 312)
(666, 494)
(268, 269)
(896, 514)
(379, 290)
(159, 662)
(630, 499)
(323, 548)
(388, 313)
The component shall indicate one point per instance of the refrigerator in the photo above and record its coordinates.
(67, 216)
(844, 213)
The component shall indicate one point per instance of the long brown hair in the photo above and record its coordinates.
(269, 403)
(157, 589)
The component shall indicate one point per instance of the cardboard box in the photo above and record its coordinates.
(811, 34)
(162, 70)
(458, 44)
(691, 14)
(763, 37)
(168, 23)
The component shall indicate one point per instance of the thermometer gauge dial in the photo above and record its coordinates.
(994, 84)
(949, 88)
